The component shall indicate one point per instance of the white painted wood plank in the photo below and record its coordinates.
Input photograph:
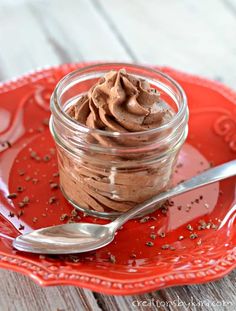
(194, 36)
(219, 295)
(19, 293)
(78, 27)
(40, 33)
(23, 45)
(231, 4)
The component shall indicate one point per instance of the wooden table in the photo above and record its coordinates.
(194, 36)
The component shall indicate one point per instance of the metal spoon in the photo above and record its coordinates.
(83, 237)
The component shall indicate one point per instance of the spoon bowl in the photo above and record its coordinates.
(65, 239)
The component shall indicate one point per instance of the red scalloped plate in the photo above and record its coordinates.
(199, 227)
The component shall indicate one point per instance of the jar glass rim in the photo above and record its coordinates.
(55, 106)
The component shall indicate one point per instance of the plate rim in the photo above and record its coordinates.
(117, 287)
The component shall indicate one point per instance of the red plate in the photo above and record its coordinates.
(138, 268)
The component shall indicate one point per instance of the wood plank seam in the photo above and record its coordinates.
(59, 50)
(230, 6)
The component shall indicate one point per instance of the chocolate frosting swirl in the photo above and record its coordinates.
(120, 102)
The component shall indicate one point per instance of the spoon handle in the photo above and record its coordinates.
(207, 177)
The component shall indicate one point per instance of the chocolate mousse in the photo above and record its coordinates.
(121, 103)
(118, 102)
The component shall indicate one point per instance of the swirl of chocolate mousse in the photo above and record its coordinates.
(120, 102)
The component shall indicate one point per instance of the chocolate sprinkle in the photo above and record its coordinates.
(74, 213)
(74, 258)
(21, 204)
(12, 195)
(63, 217)
(71, 221)
(153, 218)
(161, 234)
(46, 158)
(189, 227)
(20, 213)
(19, 189)
(165, 246)
(52, 200)
(54, 186)
(26, 200)
(21, 172)
(33, 154)
(153, 236)
(213, 226)
(199, 242)
(112, 258)
(144, 219)
(164, 210)
(193, 236)
(6, 144)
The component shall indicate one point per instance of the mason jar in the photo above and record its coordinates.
(105, 180)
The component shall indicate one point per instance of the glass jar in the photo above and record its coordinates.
(105, 181)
